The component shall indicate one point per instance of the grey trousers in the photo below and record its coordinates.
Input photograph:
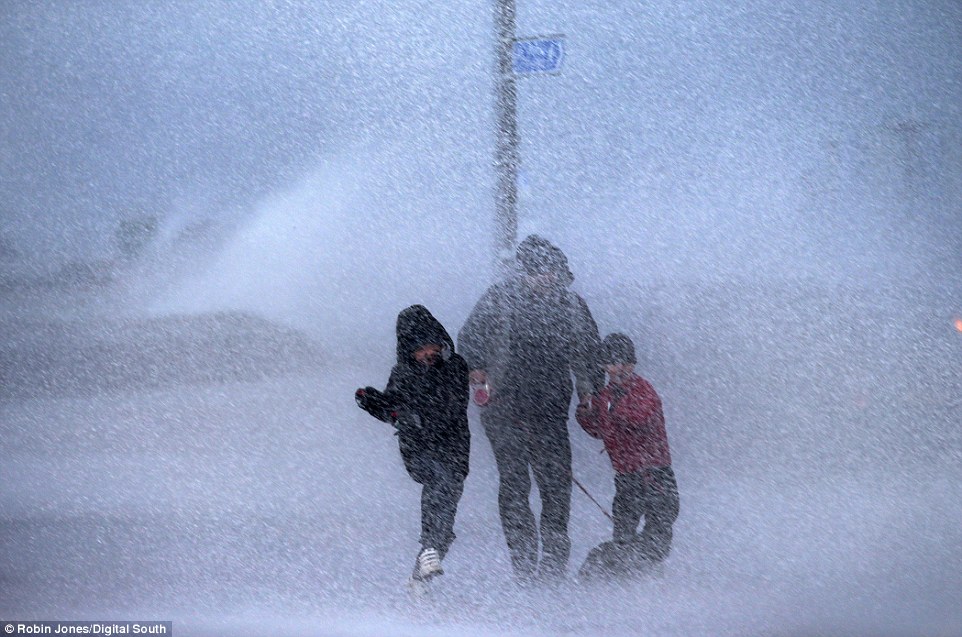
(521, 448)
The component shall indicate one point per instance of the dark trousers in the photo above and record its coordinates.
(442, 486)
(543, 449)
(654, 494)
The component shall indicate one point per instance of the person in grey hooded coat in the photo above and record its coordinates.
(525, 339)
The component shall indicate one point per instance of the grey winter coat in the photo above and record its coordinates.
(530, 344)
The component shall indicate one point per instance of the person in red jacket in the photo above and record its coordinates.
(627, 416)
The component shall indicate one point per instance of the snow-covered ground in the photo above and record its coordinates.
(277, 507)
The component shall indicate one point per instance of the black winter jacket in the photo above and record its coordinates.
(430, 401)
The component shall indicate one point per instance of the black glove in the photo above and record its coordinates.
(375, 403)
(362, 397)
(407, 422)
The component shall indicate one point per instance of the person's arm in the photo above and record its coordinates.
(585, 348)
(460, 391)
(587, 414)
(399, 392)
(382, 405)
(475, 336)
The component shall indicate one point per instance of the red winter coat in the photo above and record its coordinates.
(630, 421)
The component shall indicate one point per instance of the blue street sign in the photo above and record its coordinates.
(538, 55)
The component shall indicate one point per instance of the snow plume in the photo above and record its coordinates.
(339, 253)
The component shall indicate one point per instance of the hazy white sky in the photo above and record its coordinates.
(693, 137)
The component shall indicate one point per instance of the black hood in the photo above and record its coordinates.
(416, 327)
(537, 255)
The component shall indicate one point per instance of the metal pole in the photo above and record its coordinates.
(507, 158)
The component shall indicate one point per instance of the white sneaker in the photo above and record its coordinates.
(427, 566)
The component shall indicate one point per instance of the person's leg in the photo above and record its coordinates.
(551, 463)
(439, 505)
(661, 511)
(517, 520)
(628, 504)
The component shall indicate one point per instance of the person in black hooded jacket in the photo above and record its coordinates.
(426, 399)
